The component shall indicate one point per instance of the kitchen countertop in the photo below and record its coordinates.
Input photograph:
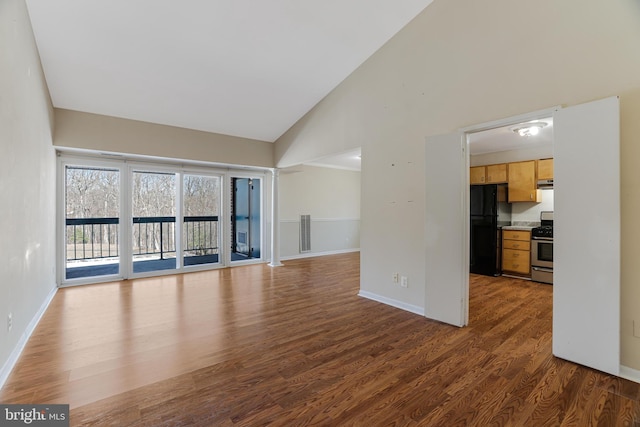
(517, 227)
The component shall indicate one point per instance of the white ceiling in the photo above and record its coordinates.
(505, 139)
(236, 67)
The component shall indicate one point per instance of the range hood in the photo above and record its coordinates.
(545, 184)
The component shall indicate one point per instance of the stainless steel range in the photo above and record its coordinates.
(542, 249)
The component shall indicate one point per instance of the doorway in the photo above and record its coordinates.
(201, 201)
(92, 223)
(586, 301)
(246, 220)
(506, 164)
(153, 227)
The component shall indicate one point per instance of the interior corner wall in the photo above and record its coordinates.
(461, 63)
(80, 130)
(331, 197)
(27, 182)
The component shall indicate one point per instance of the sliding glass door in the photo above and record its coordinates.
(201, 226)
(92, 221)
(123, 219)
(153, 206)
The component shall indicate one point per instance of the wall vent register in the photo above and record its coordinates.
(305, 233)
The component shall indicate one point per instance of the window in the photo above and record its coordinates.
(129, 220)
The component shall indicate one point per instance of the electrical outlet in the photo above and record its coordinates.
(404, 282)
(9, 322)
(396, 277)
(636, 328)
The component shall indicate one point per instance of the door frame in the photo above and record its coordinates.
(128, 230)
(63, 161)
(566, 343)
(509, 121)
(466, 132)
(210, 173)
(265, 197)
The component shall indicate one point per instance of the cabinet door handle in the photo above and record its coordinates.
(516, 246)
(530, 196)
(516, 255)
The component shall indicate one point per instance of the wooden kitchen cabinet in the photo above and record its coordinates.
(497, 174)
(545, 169)
(523, 183)
(492, 174)
(516, 252)
(477, 175)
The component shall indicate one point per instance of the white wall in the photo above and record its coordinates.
(461, 63)
(331, 197)
(530, 212)
(27, 182)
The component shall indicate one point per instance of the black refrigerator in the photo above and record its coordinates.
(489, 213)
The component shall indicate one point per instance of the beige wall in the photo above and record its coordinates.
(331, 197)
(27, 181)
(320, 192)
(460, 63)
(75, 129)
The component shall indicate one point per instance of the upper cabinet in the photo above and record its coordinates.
(521, 177)
(497, 174)
(545, 169)
(492, 174)
(478, 175)
(523, 182)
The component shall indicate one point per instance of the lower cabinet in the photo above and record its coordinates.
(516, 252)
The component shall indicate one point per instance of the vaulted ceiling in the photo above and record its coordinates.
(236, 67)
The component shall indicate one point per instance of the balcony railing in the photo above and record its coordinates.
(92, 238)
(97, 238)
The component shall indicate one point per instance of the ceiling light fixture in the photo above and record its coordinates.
(529, 129)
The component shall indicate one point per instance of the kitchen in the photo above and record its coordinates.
(586, 301)
(511, 201)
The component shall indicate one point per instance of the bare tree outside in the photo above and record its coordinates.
(201, 199)
(201, 195)
(153, 196)
(92, 193)
(92, 198)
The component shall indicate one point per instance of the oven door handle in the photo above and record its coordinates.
(543, 239)
(545, 270)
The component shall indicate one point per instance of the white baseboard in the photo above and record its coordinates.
(314, 254)
(392, 302)
(17, 351)
(630, 374)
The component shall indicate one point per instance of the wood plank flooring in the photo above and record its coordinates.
(295, 345)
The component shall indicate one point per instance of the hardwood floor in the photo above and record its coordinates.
(295, 345)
